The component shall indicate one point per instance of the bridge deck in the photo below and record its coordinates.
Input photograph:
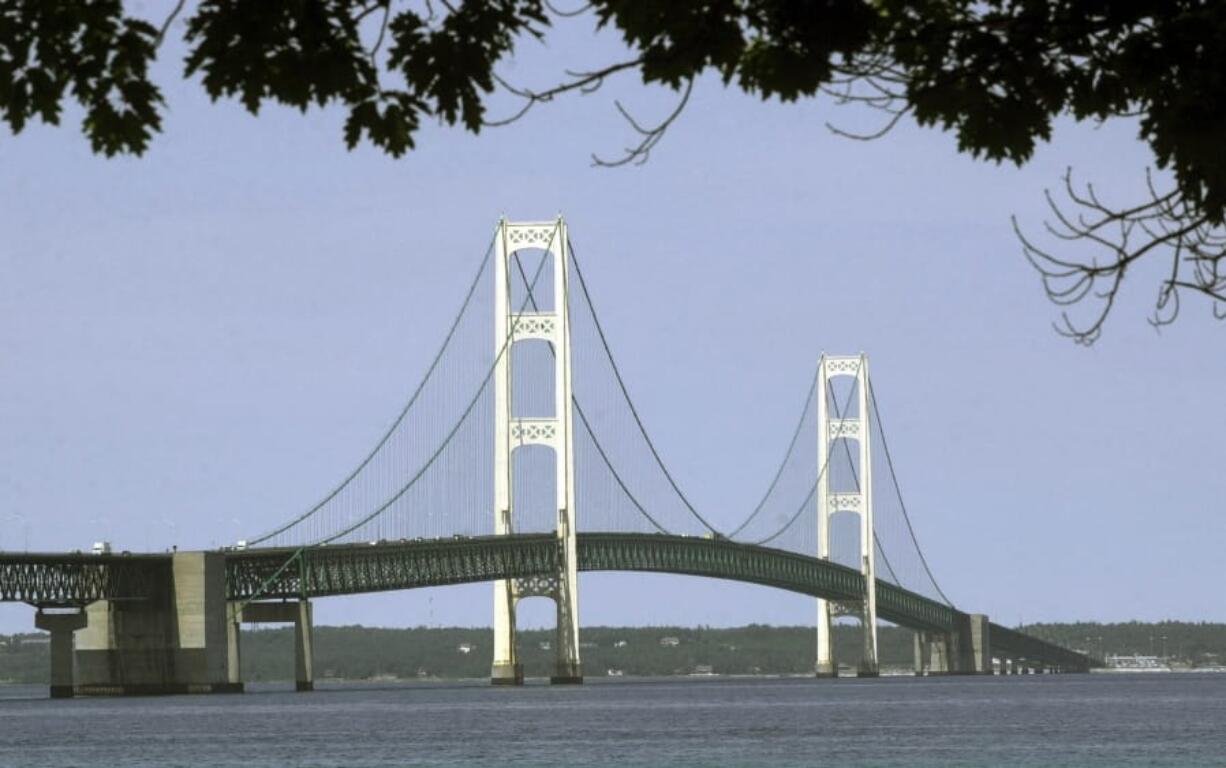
(65, 579)
(348, 569)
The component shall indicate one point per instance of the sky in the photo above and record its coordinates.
(196, 344)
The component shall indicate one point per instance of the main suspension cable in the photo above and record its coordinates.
(783, 464)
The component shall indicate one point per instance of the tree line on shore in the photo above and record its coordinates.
(360, 653)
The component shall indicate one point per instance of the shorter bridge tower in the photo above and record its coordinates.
(832, 431)
(513, 324)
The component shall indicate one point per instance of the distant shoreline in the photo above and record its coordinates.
(363, 654)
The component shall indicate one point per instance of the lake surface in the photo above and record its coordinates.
(1058, 720)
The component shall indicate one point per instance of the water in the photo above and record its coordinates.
(1067, 720)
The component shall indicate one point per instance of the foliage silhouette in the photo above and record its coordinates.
(996, 73)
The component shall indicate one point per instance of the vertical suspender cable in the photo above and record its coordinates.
(894, 477)
(403, 412)
(626, 394)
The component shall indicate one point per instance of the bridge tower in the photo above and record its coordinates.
(512, 324)
(832, 430)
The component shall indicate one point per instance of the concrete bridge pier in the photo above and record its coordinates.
(234, 656)
(171, 640)
(967, 650)
(969, 646)
(304, 648)
(978, 651)
(923, 653)
(61, 625)
(938, 653)
(297, 612)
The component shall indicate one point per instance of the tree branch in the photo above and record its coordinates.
(1165, 221)
(584, 82)
(170, 19)
(651, 136)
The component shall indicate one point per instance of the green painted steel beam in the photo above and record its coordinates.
(356, 568)
(321, 571)
(75, 578)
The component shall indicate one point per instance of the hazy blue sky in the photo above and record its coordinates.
(195, 344)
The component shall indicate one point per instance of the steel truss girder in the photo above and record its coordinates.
(350, 569)
(77, 578)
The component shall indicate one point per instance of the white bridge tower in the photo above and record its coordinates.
(513, 324)
(832, 431)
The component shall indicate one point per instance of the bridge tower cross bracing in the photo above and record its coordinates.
(513, 324)
(832, 430)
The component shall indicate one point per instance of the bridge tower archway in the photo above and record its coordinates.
(540, 315)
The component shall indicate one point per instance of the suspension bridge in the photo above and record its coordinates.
(521, 459)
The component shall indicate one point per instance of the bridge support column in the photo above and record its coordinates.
(923, 653)
(979, 650)
(968, 650)
(234, 626)
(304, 648)
(506, 669)
(938, 663)
(298, 613)
(61, 626)
(868, 631)
(833, 434)
(826, 665)
(174, 641)
(512, 324)
(567, 669)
